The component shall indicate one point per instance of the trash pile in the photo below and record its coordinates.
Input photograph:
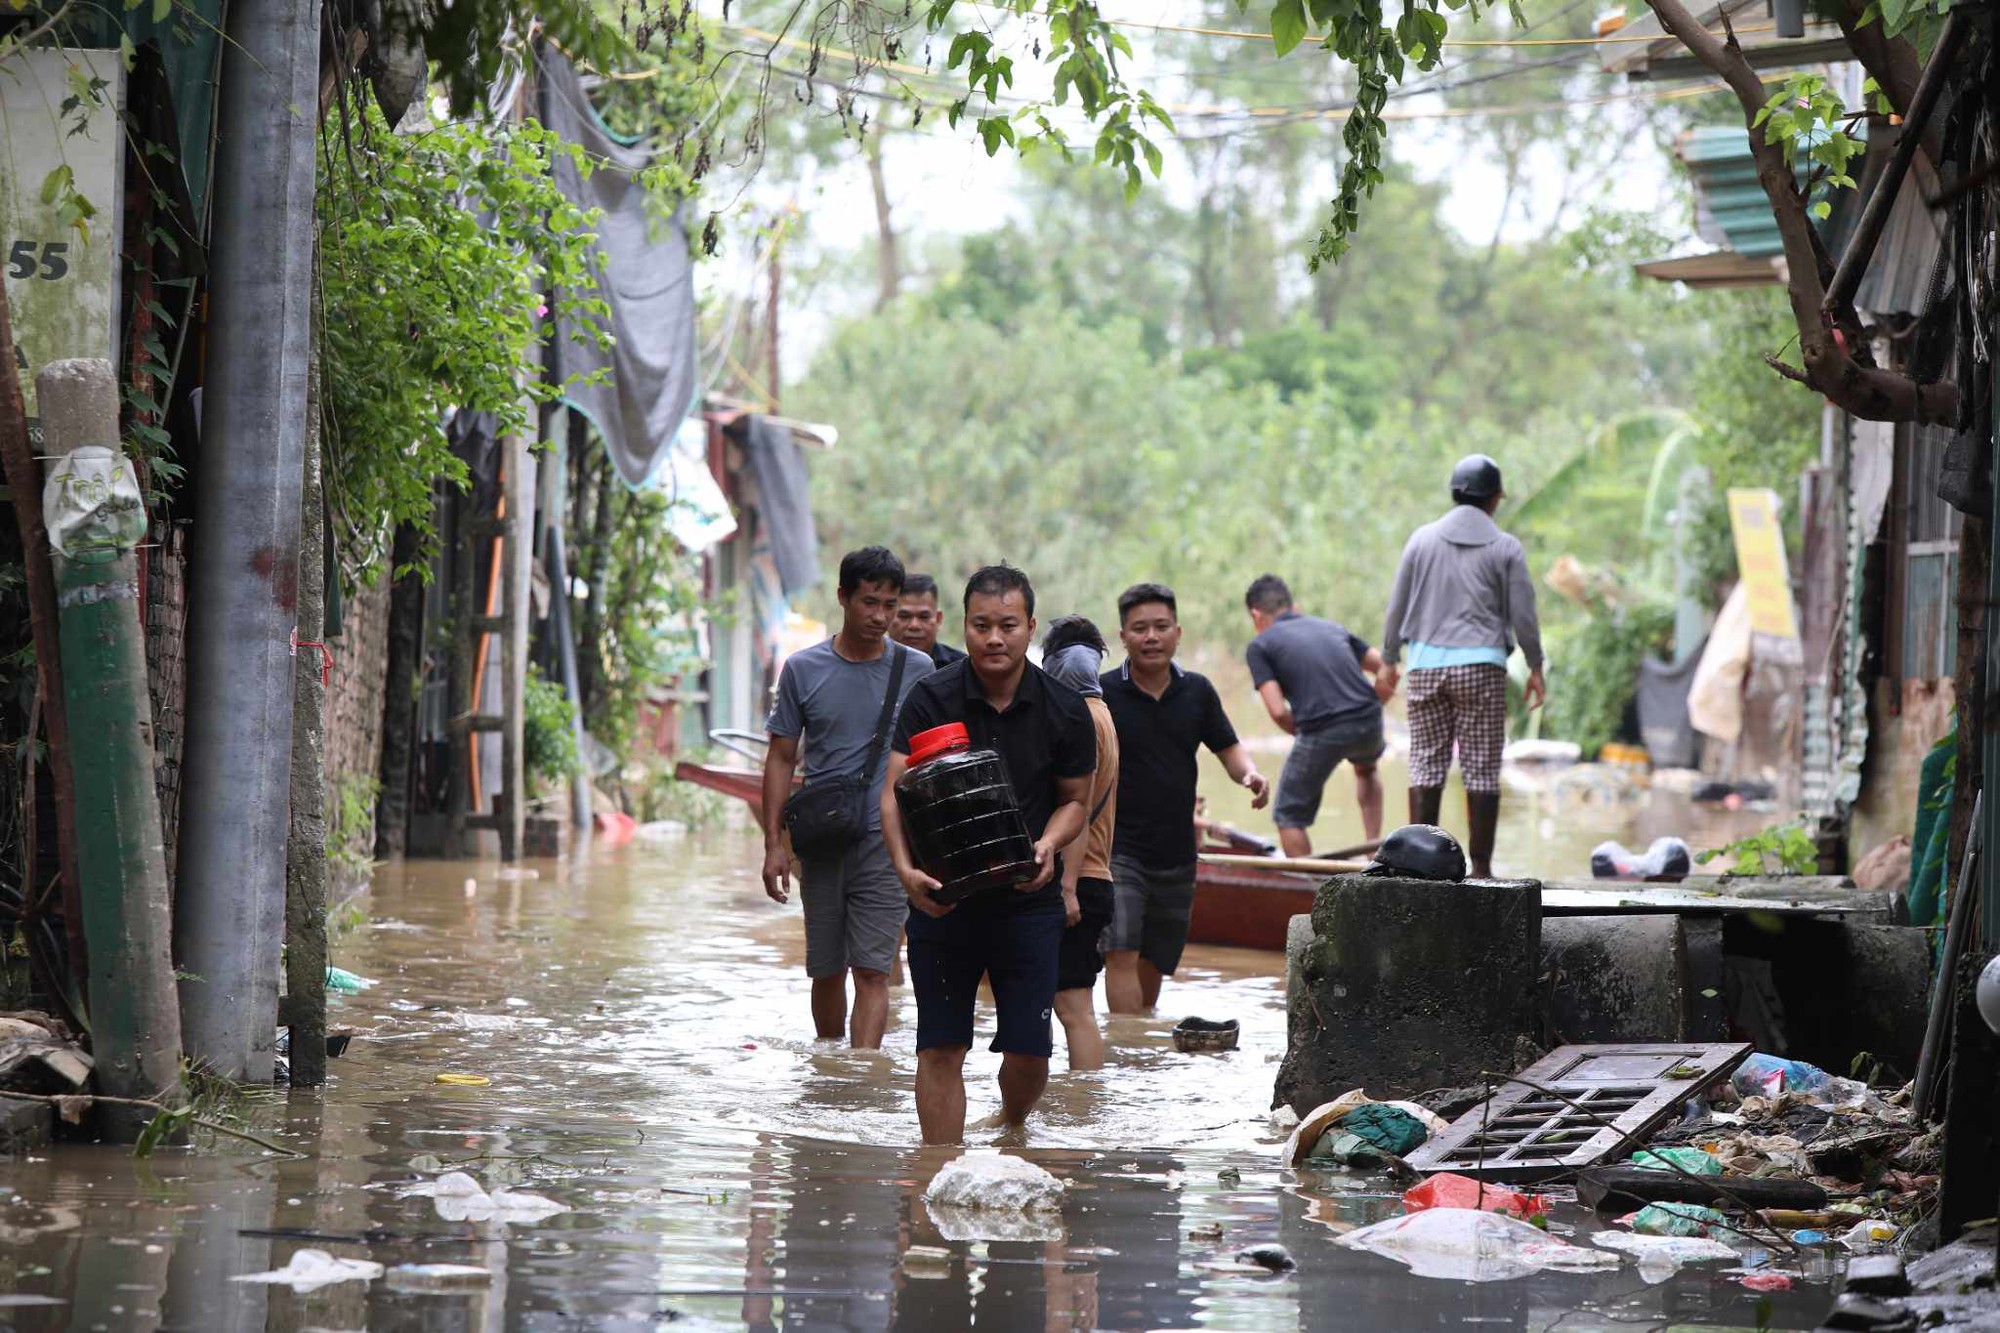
(1779, 1170)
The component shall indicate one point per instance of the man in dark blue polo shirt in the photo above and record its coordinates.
(1164, 716)
(1324, 686)
(1012, 937)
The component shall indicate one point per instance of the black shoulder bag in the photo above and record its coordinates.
(829, 814)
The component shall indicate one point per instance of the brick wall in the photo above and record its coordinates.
(354, 705)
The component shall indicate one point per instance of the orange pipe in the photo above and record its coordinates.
(479, 653)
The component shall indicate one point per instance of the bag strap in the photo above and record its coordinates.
(888, 713)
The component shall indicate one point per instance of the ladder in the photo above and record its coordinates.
(480, 616)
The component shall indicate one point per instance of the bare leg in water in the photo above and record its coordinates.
(1080, 1031)
(1022, 1081)
(871, 1008)
(1367, 795)
(1131, 984)
(829, 1000)
(941, 1093)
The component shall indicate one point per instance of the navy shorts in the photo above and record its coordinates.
(1313, 758)
(1015, 951)
(1082, 956)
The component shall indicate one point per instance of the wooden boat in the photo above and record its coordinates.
(1237, 903)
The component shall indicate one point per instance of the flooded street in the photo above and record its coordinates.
(642, 1019)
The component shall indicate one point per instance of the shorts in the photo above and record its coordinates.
(1314, 756)
(1014, 950)
(1464, 706)
(1082, 954)
(854, 907)
(1150, 911)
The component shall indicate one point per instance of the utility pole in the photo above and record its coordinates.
(243, 572)
(771, 321)
(96, 520)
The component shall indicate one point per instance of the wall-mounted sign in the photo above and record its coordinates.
(60, 109)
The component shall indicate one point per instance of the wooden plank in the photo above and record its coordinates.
(1626, 1188)
(1576, 1107)
(1301, 865)
(1783, 895)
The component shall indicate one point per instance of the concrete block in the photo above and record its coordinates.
(1412, 984)
(1615, 978)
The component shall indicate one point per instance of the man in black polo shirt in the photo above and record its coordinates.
(1324, 686)
(919, 620)
(1012, 937)
(1164, 716)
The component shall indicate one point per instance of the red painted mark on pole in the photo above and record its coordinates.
(281, 570)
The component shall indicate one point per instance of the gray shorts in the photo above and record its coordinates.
(1313, 758)
(855, 908)
(1150, 911)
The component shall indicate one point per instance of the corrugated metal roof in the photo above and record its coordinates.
(1899, 275)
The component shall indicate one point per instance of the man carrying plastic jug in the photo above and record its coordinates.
(1012, 937)
(838, 700)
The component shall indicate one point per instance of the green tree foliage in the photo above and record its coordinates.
(1758, 430)
(1049, 423)
(437, 251)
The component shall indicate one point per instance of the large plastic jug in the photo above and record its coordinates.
(964, 825)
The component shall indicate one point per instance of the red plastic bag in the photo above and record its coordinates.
(1456, 1191)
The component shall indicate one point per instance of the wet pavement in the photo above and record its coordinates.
(642, 1018)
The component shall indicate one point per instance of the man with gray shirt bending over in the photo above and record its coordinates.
(1314, 677)
(836, 697)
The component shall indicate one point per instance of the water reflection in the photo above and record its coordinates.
(642, 1020)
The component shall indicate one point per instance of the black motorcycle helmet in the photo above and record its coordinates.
(1475, 480)
(1419, 851)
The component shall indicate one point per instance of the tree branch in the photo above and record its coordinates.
(1827, 346)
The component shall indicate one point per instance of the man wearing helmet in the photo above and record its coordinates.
(1461, 602)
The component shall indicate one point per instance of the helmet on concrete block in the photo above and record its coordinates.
(1476, 477)
(1419, 851)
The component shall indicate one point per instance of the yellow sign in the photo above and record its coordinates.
(1760, 561)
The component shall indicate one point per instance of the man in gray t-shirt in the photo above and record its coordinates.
(829, 701)
(1325, 686)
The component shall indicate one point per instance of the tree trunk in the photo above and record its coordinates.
(591, 672)
(404, 677)
(24, 480)
(888, 263)
(1851, 384)
(305, 853)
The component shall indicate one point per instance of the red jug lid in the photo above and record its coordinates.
(938, 740)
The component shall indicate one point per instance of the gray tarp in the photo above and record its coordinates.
(784, 494)
(644, 273)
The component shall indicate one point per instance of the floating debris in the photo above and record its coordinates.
(310, 1270)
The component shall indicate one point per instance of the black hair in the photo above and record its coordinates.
(1269, 594)
(998, 581)
(1141, 593)
(1476, 501)
(920, 585)
(1066, 631)
(870, 564)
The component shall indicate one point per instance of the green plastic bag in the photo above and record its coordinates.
(1691, 1160)
(1389, 1128)
(1337, 1147)
(1676, 1219)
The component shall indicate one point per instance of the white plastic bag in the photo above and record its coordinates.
(310, 1270)
(1473, 1246)
(1660, 1257)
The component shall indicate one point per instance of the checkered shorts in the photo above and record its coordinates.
(1462, 705)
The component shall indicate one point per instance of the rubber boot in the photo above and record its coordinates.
(1482, 812)
(1425, 802)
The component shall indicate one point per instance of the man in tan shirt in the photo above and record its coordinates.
(1072, 654)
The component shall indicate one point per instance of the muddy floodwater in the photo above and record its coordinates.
(642, 1019)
